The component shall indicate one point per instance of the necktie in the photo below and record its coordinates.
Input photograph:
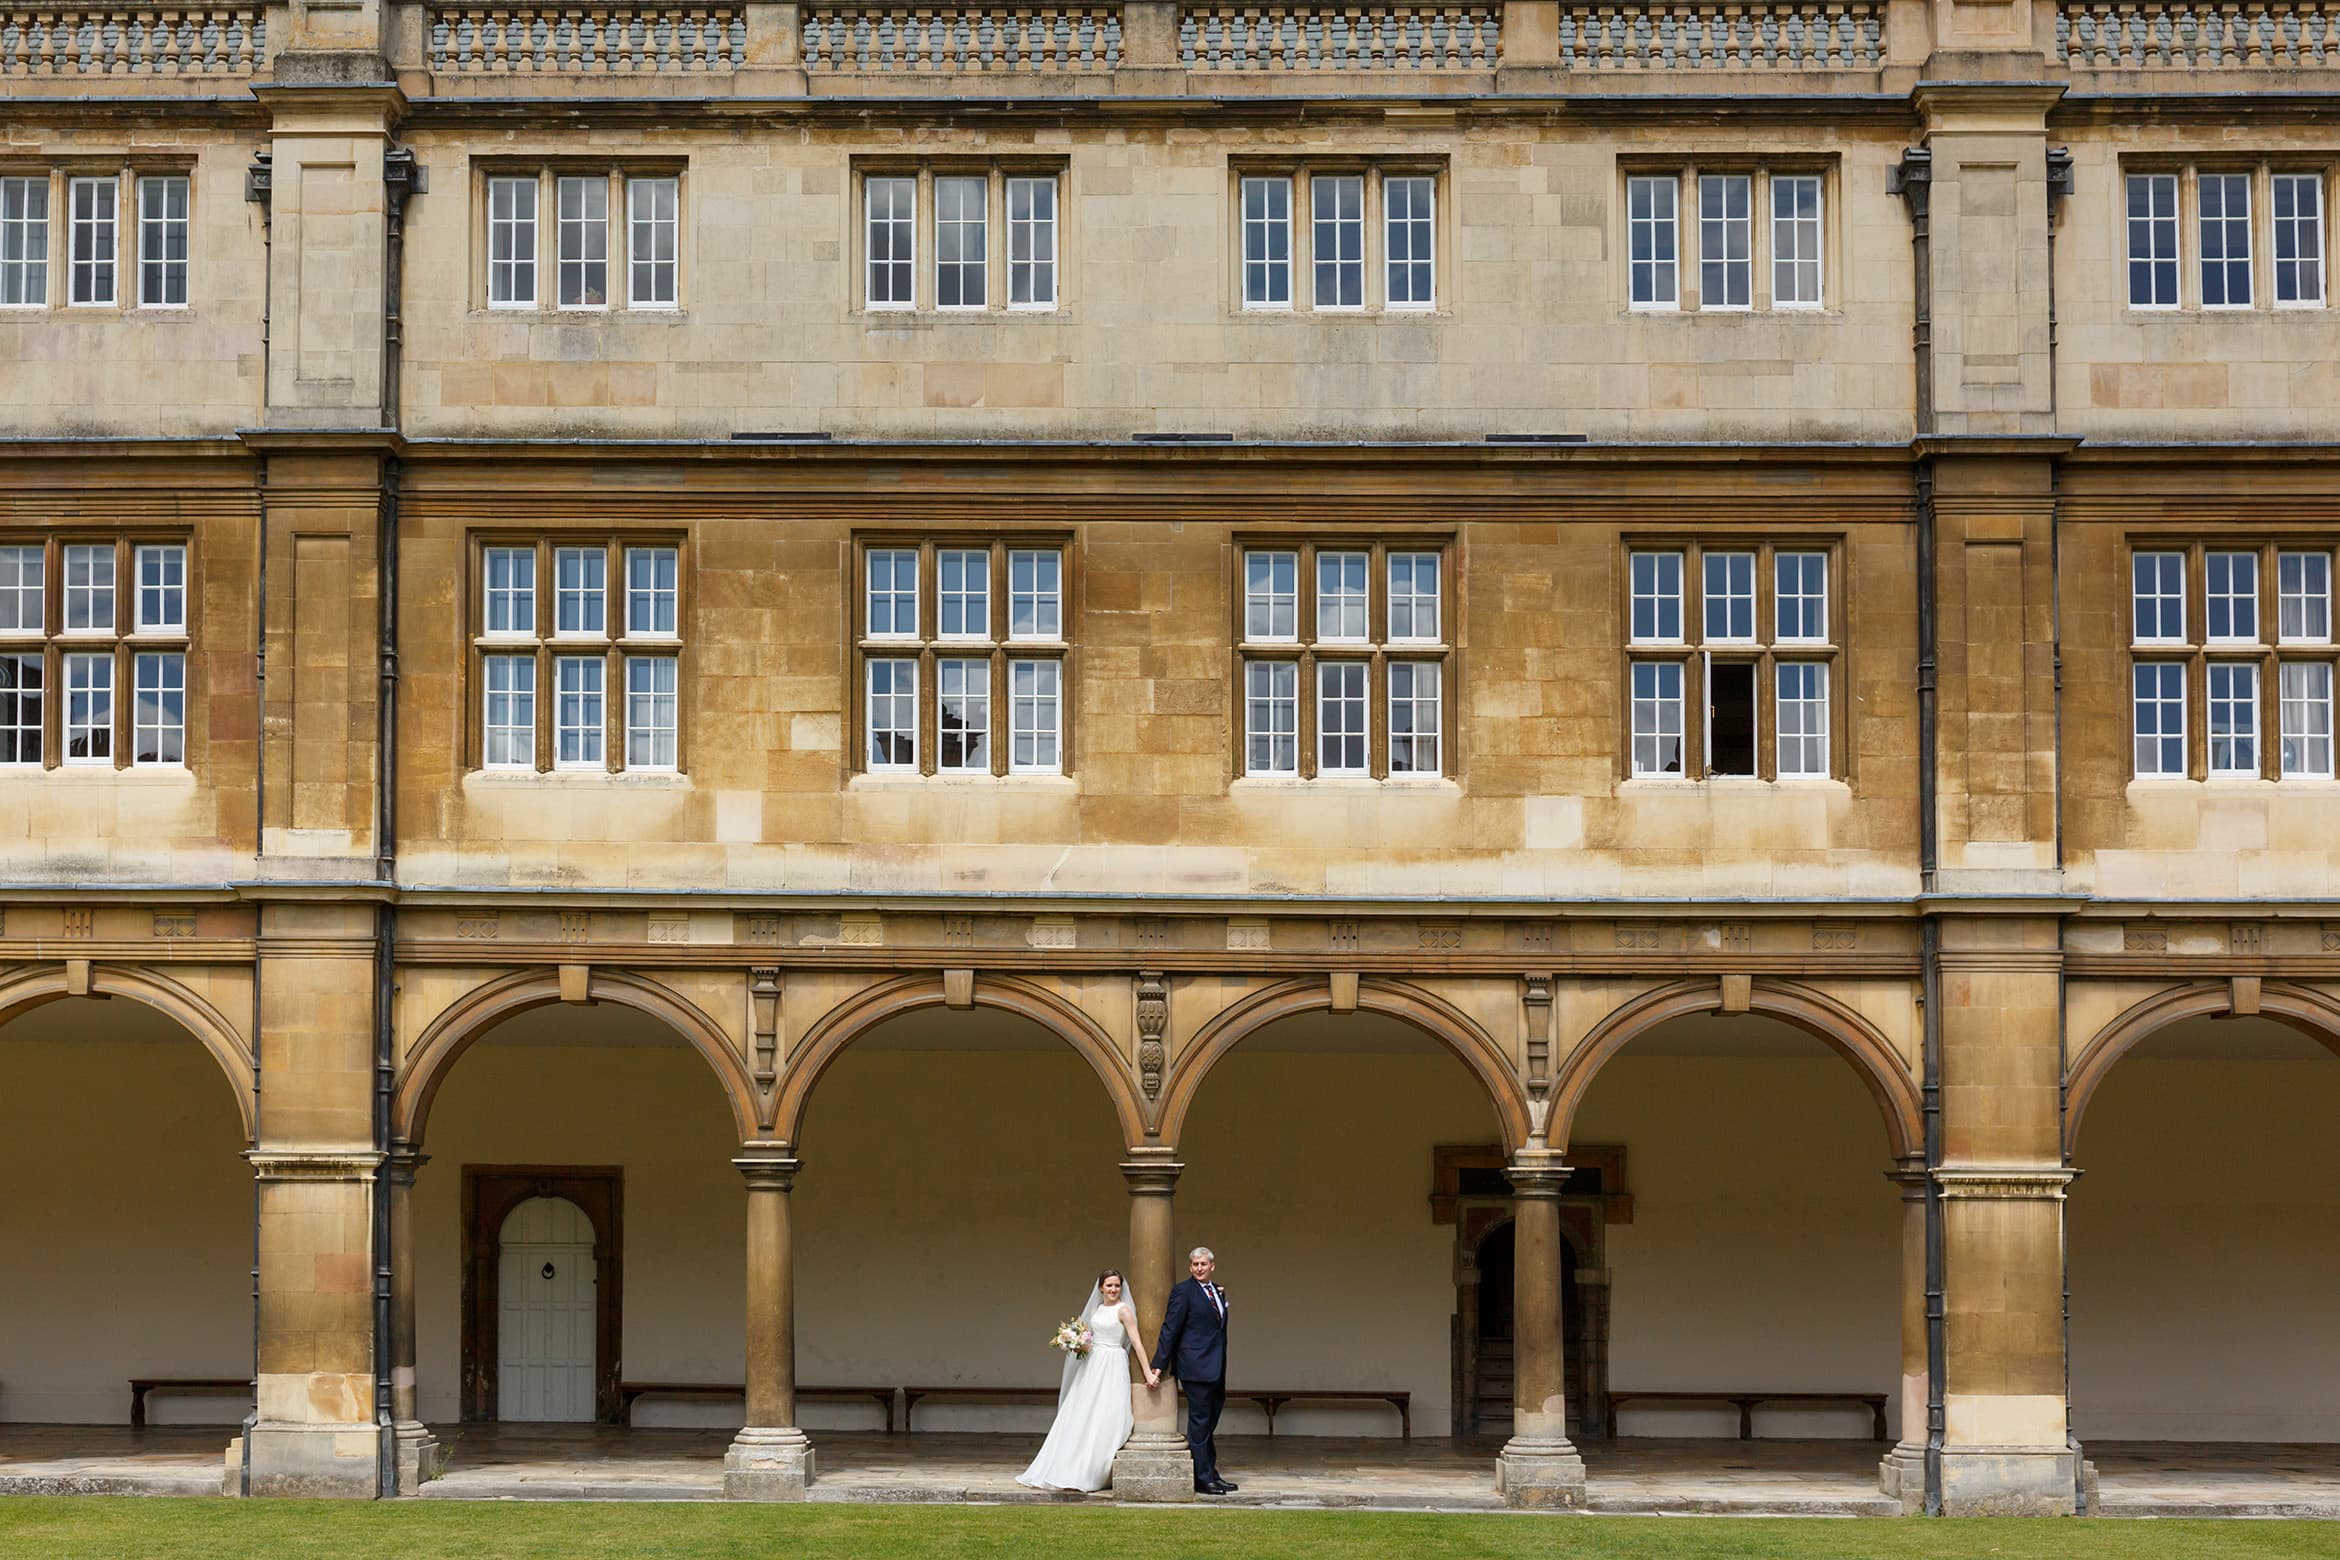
(1216, 1303)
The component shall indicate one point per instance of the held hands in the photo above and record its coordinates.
(1153, 1377)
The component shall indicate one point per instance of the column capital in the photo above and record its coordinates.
(767, 1172)
(1537, 1174)
(1909, 1173)
(405, 1160)
(1151, 1172)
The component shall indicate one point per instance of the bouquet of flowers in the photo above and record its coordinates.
(1073, 1337)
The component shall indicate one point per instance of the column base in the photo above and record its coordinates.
(1154, 1466)
(1902, 1476)
(313, 1462)
(768, 1463)
(420, 1456)
(1540, 1474)
(2008, 1481)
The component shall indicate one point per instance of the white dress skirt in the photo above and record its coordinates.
(1093, 1417)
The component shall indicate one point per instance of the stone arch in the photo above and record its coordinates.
(189, 1010)
(1836, 1026)
(472, 1015)
(864, 1011)
(1441, 1020)
(2312, 1013)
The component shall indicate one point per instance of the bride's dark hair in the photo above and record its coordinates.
(1110, 1273)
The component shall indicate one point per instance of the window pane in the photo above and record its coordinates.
(893, 714)
(1036, 716)
(162, 241)
(1415, 719)
(1035, 595)
(1413, 597)
(1031, 243)
(1267, 243)
(508, 717)
(651, 575)
(963, 716)
(1730, 718)
(1337, 246)
(2160, 704)
(1651, 241)
(893, 593)
(89, 709)
(2153, 241)
(2234, 718)
(1657, 717)
(512, 243)
(1803, 720)
(2225, 209)
(511, 590)
(22, 709)
(1271, 596)
(89, 588)
(581, 595)
(1800, 606)
(2233, 581)
(1657, 596)
(2157, 587)
(653, 242)
(24, 242)
(2299, 238)
(1271, 718)
(1410, 241)
(93, 204)
(964, 593)
(1795, 241)
(162, 588)
(892, 241)
(651, 711)
(1726, 241)
(1343, 718)
(2307, 719)
(578, 713)
(584, 240)
(960, 242)
(1730, 596)
(22, 584)
(1341, 610)
(2303, 584)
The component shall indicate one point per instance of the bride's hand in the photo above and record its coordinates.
(1153, 1377)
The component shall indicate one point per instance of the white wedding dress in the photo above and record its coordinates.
(1093, 1415)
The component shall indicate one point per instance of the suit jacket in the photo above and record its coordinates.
(1194, 1335)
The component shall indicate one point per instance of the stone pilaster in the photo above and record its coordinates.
(1539, 1465)
(1155, 1464)
(420, 1457)
(770, 1458)
(1902, 1473)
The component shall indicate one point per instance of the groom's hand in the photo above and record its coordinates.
(1153, 1377)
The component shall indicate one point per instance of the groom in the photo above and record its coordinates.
(1194, 1349)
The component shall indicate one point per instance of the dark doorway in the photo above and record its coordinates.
(1489, 1411)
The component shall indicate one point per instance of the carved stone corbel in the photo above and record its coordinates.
(1153, 1022)
(764, 1024)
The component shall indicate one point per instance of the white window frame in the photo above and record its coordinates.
(169, 560)
(1664, 230)
(1262, 275)
(29, 707)
(978, 598)
(1722, 233)
(967, 679)
(2305, 231)
(892, 593)
(581, 243)
(90, 595)
(26, 211)
(89, 688)
(1344, 714)
(590, 595)
(902, 689)
(1272, 686)
(653, 709)
(654, 242)
(580, 712)
(1792, 715)
(660, 596)
(973, 246)
(1043, 569)
(1336, 242)
(1032, 243)
(517, 598)
(1799, 246)
(1417, 255)
(1650, 723)
(1036, 715)
(899, 224)
(2152, 226)
(1730, 596)
(2247, 600)
(160, 275)
(157, 679)
(1349, 597)
(1415, 599)
(2238, 704)
(1264, 602)
(1657, 596)
(1811, 603)
(2229, 228)
(2313, 599)
(2160, 700)
(2304, 720)
(512, 276)
(1419, 688)
(101, 225)
(516, 686)
(24, 587)
(2138, 595)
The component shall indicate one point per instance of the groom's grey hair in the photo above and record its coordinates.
(1204, 1252)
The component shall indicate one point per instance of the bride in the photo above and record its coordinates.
(1092, 1412)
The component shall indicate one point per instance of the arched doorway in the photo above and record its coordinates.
(548, 1312)
(1486, 1337)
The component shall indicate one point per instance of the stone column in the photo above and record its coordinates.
(1539, 1467)
(1902, 1474)
(770, 1459)
(419, 1454)
(1155, 1464)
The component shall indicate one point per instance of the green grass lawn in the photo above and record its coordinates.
(134, 1529)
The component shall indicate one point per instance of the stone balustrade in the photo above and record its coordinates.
(1340, 37)
(1698, 35)
(960, 39)
(607, 39)
(2247, 34)
(124, 40)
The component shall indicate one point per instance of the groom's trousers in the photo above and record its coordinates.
(1204, 1400)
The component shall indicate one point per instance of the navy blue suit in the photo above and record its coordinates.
(1194, 1349)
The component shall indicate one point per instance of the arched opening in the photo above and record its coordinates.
(2204, 1238)
(127, 1241)
(1754, 1283)
(1488, 1344)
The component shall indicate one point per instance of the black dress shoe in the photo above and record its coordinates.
(1200, 1488)
(1228, 1487)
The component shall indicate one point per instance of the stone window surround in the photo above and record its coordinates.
(2269, 650)
(615, 645)
(995, 171)
(2187, 169)
(1759, 169)
(548, 171)
(127, 169)
(1377, 650)
(1764, 651)
(123, 642)
(1375, 169)
(928, 647)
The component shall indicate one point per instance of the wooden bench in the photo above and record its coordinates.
(631, 1391)
(911, 1396)
(1747, 1402)
(208, 1386)
(1269, 1402)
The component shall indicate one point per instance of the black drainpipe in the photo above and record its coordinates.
(257, 189)
(1913, 182)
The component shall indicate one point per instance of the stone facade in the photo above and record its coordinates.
(1975, 900)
